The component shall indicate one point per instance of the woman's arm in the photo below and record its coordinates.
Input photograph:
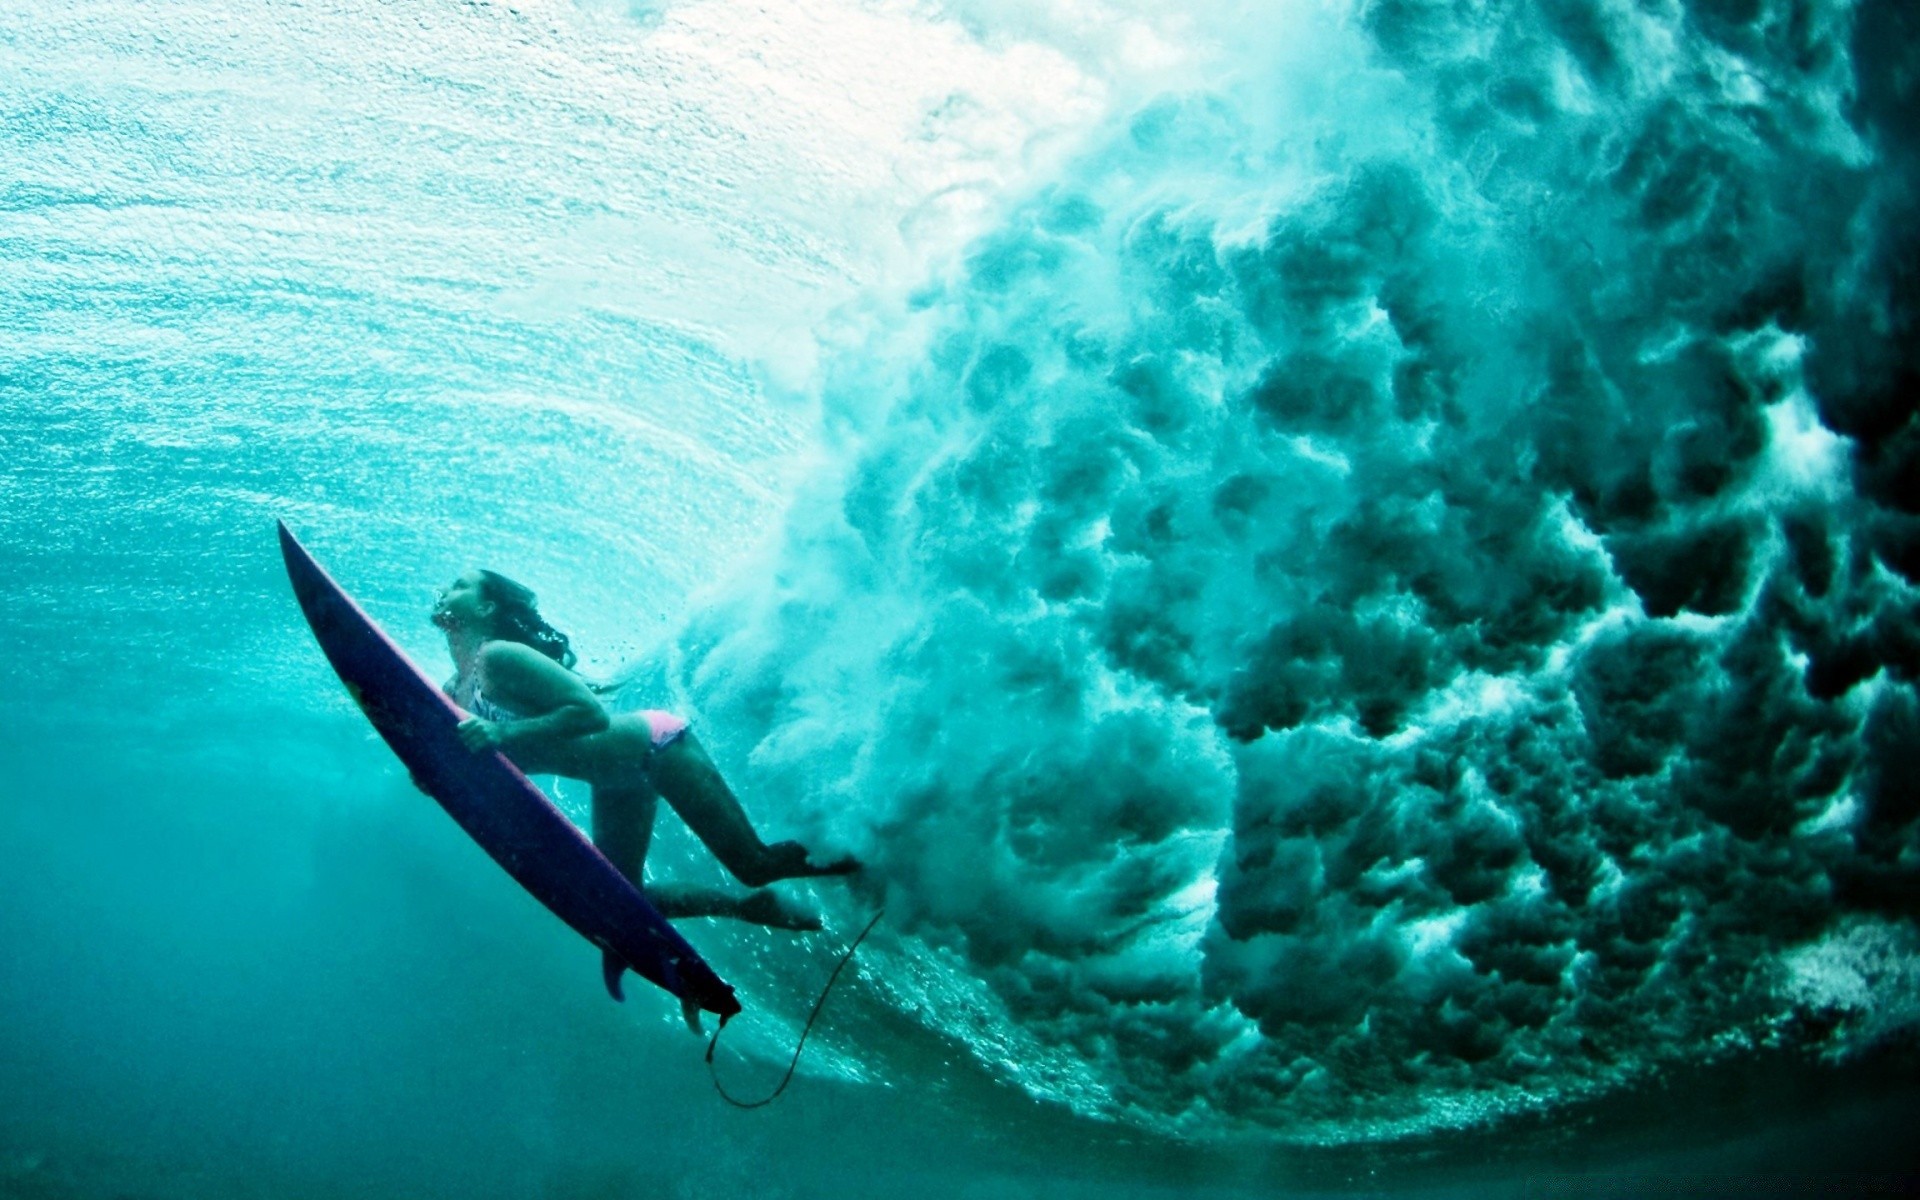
(560, 704)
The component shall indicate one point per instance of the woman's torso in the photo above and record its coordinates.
(469, 692)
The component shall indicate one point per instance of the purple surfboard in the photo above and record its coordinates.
(489, 798)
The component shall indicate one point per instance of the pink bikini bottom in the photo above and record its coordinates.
(664, 726)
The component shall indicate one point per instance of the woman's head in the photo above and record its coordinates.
(500, 608)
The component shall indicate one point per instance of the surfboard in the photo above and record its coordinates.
(498, 807)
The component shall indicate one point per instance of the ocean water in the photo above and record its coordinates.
(1348, 565)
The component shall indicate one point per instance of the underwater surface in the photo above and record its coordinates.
(1349, 566)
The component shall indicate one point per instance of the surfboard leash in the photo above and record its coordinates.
(798, 1046)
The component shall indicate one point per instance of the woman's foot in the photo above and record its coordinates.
(789, 861)
(677, 901)
(767, 908)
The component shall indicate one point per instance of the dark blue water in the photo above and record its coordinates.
(1349, 568)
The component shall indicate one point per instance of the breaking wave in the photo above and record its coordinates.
(1381, 595)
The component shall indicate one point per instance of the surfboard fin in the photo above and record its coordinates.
(612, 966)
(691, 1011)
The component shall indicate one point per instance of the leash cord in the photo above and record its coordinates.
(798, 1046)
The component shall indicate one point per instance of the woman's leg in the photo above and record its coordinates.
(614, 763)
(623, 825)
(692, 787)
(623, 828)
(760, 907)
(623, 815)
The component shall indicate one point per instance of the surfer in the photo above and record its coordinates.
(512, 671)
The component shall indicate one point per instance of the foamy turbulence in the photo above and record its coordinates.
(1384, 595)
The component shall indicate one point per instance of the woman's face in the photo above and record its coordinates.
(464, 605)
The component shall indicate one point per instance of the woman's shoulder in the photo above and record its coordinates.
(513, 655)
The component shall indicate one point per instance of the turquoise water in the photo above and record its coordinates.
(1349, 568)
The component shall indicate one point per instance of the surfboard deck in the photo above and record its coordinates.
(489, 798)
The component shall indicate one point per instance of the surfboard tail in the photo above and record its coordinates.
(705, 993)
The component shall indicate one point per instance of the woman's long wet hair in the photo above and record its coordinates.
(517, 619)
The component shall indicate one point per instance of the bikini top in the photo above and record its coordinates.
(478, 704)
(487, 710)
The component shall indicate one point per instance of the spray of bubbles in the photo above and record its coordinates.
(1386, 592)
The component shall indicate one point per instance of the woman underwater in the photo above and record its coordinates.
(512, 672)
